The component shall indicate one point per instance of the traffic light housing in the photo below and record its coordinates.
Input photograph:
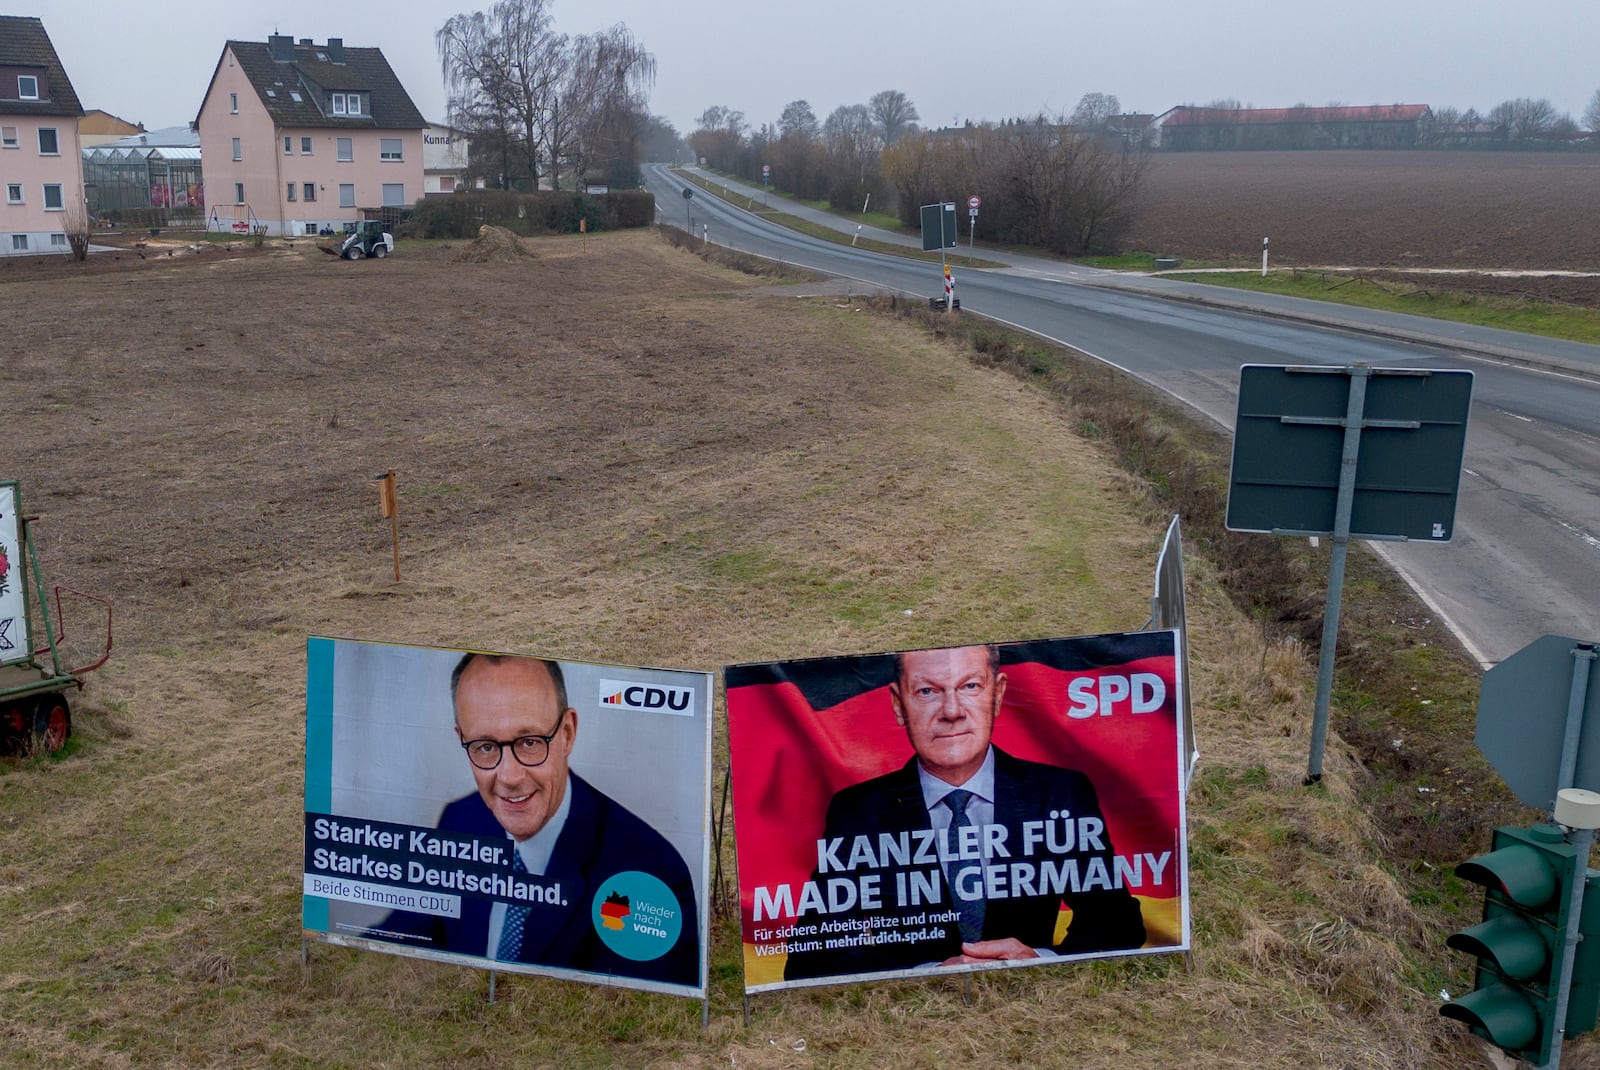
(1527, 877)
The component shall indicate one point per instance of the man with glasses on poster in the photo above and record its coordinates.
(517, 729)
(947, 701)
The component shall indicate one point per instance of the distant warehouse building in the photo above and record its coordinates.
(1379, 126)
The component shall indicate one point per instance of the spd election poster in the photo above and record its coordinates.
(509, 812)
(958, 809)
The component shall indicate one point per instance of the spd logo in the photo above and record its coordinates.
(647, 698)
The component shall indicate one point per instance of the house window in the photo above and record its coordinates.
(311, 228)
(305, 146)
(19, 243)
(310, 191)
(389, 148)
(233, 103)
(48, 146)
(13, 192)
(238, 193)
(58, 240)
(352, 102)
(336, 101)
(27, 87)
(394, 193)
(288, 146)
(291, 191)
(238, 150)
(294, 95)
(52, 197)
(8, 137)
(346, 149)
(447, 184)
(347, 195)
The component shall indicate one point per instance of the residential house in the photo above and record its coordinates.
(98, 127)
(40, 166)
(445, 152)
(301, 137)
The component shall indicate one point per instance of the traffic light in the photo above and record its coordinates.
(1528, 880)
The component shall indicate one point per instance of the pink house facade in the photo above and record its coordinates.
(41, 165)
(298, 138)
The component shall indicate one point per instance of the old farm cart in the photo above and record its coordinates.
(34, 681)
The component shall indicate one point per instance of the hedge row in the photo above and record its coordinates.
(544, 212)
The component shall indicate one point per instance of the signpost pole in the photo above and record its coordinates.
(1359, 372)
(1582, 656)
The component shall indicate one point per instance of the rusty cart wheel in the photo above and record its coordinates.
(52, 723)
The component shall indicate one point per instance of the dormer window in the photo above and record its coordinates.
(27, 87)
(344, 103)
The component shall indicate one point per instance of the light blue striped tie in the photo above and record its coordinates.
(510, 946)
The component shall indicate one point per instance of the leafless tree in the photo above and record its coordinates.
(598, 112)
(500, 72)
(719, 137)
(538, 97)
(1591, 114)
(1523, 118)
(799, 119)
(893, 113)
(853, 147)
(76, 223)
(1094, 110)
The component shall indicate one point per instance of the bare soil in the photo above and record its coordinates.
(604, 452)
(1479, 211)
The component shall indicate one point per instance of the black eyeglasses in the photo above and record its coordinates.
(531, 751)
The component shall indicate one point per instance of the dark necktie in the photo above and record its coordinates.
(971, 910)
(510, 946)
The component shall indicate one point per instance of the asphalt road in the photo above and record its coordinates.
(1525, 559)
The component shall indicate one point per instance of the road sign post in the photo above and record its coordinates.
(973, 204)
(1369, 453)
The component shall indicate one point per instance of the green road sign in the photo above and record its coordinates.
(1288, 451)
(938, 226)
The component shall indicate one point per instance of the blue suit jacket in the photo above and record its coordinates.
(600, 839)
(1102, 920)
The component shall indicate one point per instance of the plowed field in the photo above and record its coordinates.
(1481, 211)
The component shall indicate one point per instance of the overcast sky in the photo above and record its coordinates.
(976, 60)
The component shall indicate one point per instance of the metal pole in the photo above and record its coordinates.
(1359, 373)
(1582, 839)
(1583, 656)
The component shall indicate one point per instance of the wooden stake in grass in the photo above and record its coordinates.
(389, 506)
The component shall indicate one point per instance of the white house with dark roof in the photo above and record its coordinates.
(40, 167)
(298, 137)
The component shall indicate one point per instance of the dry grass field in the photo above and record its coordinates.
(594, 445)
(1480, 211)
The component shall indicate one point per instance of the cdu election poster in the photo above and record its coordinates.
(963, 808)
(509, 812)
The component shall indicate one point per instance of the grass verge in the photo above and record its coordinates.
(1438, 301)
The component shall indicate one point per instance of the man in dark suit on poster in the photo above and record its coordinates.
(517, 728)
(947, 701)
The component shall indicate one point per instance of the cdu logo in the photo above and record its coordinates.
(647, 698)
